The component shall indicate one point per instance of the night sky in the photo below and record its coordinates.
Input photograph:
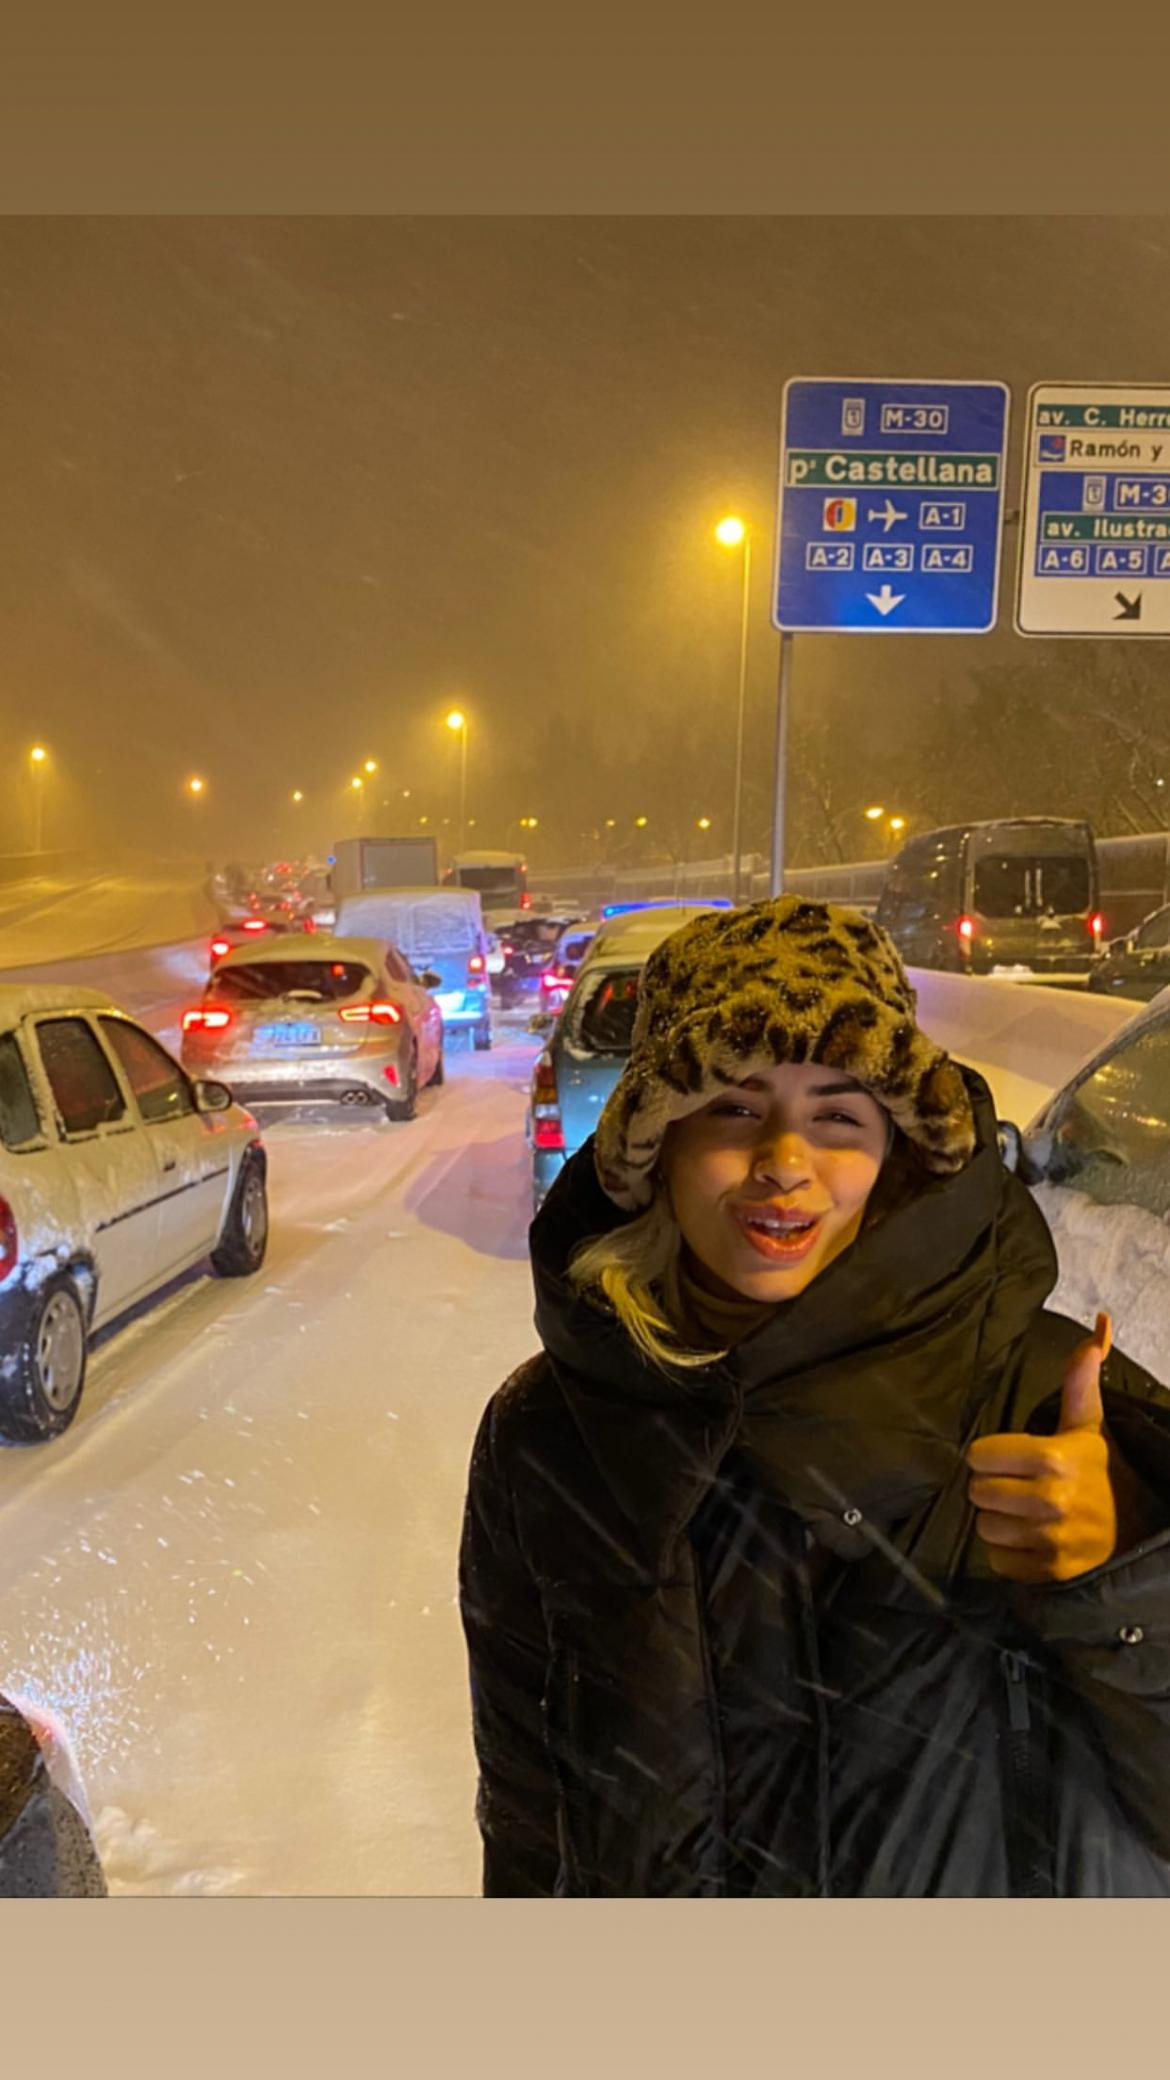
(277, 492)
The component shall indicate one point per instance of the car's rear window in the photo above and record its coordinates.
(256, 981)
(19, 1123)
(606, 1023)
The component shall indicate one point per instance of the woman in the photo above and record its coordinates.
(812, 1556)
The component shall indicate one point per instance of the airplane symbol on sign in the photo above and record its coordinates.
(889, 513)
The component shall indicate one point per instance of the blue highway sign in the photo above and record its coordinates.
(891, 506)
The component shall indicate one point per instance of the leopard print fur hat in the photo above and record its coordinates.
(790, 980)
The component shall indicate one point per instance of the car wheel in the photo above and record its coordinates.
(483, 1039)
(241, 1247)
(40, 1388)
(440, 1070)
(406, 1106)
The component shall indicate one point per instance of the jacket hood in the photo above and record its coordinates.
(859, 1394)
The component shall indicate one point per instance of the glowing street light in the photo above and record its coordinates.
(357, 783)
(298, 794)
(196, 786)
(876, 813)
(897, 823)
(371, 766)
(735, 533)
(640, 822)
(703, 824)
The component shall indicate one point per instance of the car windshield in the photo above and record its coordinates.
(606, 1023)
(257, 981)
(1021, 885)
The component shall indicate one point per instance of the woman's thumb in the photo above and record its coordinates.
(1081, 1407)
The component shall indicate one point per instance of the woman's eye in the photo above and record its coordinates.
(839, 1119)
(728, 1109)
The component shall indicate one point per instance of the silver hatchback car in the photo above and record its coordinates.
(319, 1021)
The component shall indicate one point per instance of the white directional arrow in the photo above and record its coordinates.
(885, 601)
(889, 513)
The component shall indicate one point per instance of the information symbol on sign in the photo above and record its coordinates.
(853, 415)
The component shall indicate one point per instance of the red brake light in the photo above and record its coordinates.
(1097, 924)
(255, 924)
(371, 1014)
(206, 1019)
(526, 901)
(554, 978)
(476, 964)
(966, 928)
(9, 1240)
(219, 947)
(547, 1131)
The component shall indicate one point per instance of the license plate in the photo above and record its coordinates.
(287, 1036)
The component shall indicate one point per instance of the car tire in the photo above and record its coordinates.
(40, 1388)
(483, 1039)
(242, 1245)
(439, 1076)
(406, 1106)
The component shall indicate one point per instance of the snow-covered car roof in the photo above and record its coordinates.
(300, 947)
(18, 999)
(636, 933)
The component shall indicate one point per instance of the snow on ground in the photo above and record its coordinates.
(234, 1577)
(54, 919)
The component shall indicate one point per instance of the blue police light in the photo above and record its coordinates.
(668, 903)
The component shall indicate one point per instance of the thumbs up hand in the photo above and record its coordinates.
(1046, 1508)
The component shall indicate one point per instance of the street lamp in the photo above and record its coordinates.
(38, 759)
(876, 813)
(196, 786)
(457, 721)
(298, 794)
(735, 533)
(640, 822)
(357, 783)
(703, 823)
(371, 766)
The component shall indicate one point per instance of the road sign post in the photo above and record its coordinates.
(1095, 535)
(890, 519)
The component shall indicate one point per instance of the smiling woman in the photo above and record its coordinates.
(773, 1560)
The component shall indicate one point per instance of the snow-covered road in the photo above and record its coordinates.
(235, 1575)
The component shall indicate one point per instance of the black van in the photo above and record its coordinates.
(1018, 895)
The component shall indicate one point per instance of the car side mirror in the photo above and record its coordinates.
(430, 978)
(212, 1097)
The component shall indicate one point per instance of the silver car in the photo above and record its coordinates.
(323, 1021)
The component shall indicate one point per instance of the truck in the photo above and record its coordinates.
(500, 878)
(357, 863)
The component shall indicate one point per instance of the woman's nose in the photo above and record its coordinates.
(784, 1161)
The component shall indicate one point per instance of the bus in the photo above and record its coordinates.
(1017, 896)
(1135, 879)
(501, 879)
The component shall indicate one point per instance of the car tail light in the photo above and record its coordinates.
(554, 978)
(1097, 925)
(255, 924)
(966, 929)
(526, 901)
(371, 1014)
(476, 964)
(9, 1240)
(208, 1018)
(507, 951)
(547, 1130)
(219, 947)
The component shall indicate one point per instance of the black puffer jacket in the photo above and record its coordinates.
(732, 1632)
(46, 1850)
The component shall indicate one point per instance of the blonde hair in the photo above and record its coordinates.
(635, 1269)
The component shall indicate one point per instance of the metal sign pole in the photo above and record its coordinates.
(780, 780)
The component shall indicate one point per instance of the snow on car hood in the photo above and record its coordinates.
(1117, 1258)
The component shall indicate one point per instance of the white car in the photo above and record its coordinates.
(117, 1173)
(1097, 1157)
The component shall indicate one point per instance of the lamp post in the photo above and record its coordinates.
(734, 534)
(457, 721)
(38, 760)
